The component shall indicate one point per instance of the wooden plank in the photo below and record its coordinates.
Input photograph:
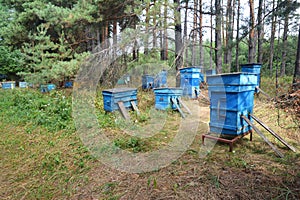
(123, 110)
(185, 107)
(263, 92)
(134, 106)
(204, 97)
(273, 133)
(174, 101)
(263, 136)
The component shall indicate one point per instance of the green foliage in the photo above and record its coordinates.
(11, 61)
(51, 111)
(49, 61)
(37, 29)
(134, 144)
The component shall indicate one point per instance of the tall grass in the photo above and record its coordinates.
(51, 111)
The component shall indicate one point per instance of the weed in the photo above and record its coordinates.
(285, 193)
(134, 144)
(237, 162)
(214, 180)
(108, 188)
(152, 181)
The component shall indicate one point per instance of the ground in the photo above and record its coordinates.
(36, 165)
(252, 171)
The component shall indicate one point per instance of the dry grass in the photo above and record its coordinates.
(36, 164)
(252, 171)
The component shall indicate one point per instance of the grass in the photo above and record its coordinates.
(51, 111)
(42, 156)
(41, 164)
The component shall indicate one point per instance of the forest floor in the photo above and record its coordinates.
(36, 164)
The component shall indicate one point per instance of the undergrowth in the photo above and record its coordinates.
(51, 111)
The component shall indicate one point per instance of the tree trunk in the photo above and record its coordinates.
(154, 42)
(284, 39)
(178, 39)
(98, 36)
(115, 24)
(222, 24)
(260, 31)
(231, 44)
(226, 39)
(252, 35)
(211, 38)
(185, 33)
(178, 35)
(104, 41)
(135, 53)
(147, 21)
(161, 41)
(237, 46)
(201, 56)
(164, 50)
(193, 53)
(229, 35)
(272, 40)
(218, 41)
(296, 79)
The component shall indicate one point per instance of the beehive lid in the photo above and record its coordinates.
(147, 75)
(238, 78)
(118, 90)
(251, 65)
(169, 90)
(189, 70)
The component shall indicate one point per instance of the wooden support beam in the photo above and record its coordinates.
(135, 108)
(263, 92)
(204, 97)
(185, 107)
(273, 133)
(174, 101)
(263, 136)
(123, 110)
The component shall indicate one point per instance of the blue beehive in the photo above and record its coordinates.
(201, 78)
(163, 97)
(190, 81)
(23, 84)
(9, 85)
(147, 82)
(253, 68)
(68, 84)
(210, 72)
(121, 81)
(111, 97)
(124, 80)
(231, 95)
(161, 79)
(47, 87)
(127, 78)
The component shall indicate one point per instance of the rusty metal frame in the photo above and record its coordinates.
(224, 140)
